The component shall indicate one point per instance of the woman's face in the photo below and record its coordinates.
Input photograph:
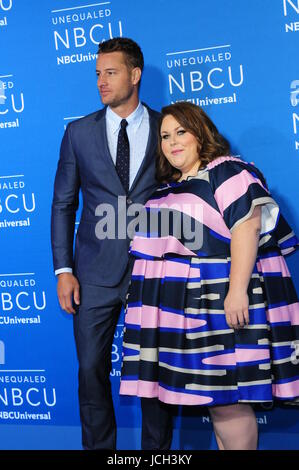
(179, 146)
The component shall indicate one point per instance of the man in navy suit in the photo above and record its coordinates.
(109, 154)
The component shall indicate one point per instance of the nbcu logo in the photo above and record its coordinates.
(290, 3)
(5, 5)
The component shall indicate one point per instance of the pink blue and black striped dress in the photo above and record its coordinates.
(177, 345)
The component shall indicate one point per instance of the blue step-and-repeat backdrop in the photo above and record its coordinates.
(237, 59)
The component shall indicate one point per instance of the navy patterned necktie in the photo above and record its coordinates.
(123, 156)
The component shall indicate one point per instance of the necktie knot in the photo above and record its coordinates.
(123, 123)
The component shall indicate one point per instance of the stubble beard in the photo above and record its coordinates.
(118, 100)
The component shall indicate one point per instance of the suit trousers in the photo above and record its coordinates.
(94, 326)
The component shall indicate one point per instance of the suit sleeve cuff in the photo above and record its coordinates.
(63, 270)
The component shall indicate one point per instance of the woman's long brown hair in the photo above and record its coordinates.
(211, 144)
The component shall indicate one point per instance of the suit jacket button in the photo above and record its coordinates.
(129, 201)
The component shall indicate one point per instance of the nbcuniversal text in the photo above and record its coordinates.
(17, 415)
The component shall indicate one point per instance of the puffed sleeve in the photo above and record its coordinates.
(238, 188)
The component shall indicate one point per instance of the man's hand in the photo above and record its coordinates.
(68, 288)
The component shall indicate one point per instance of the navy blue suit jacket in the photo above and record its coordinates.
(85, 163)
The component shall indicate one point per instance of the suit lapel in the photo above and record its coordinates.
(150, 148)
(102, 144)
(100, 134)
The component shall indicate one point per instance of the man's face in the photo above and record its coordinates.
(115, 80)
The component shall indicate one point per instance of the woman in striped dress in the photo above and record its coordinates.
(212, 316)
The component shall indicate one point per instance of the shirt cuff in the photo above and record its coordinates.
(63, 270)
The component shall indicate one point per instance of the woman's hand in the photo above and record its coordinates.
(236, 309)
(244, 246)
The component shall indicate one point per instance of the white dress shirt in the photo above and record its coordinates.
(138, 133)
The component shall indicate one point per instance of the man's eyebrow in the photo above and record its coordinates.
(108, 69)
